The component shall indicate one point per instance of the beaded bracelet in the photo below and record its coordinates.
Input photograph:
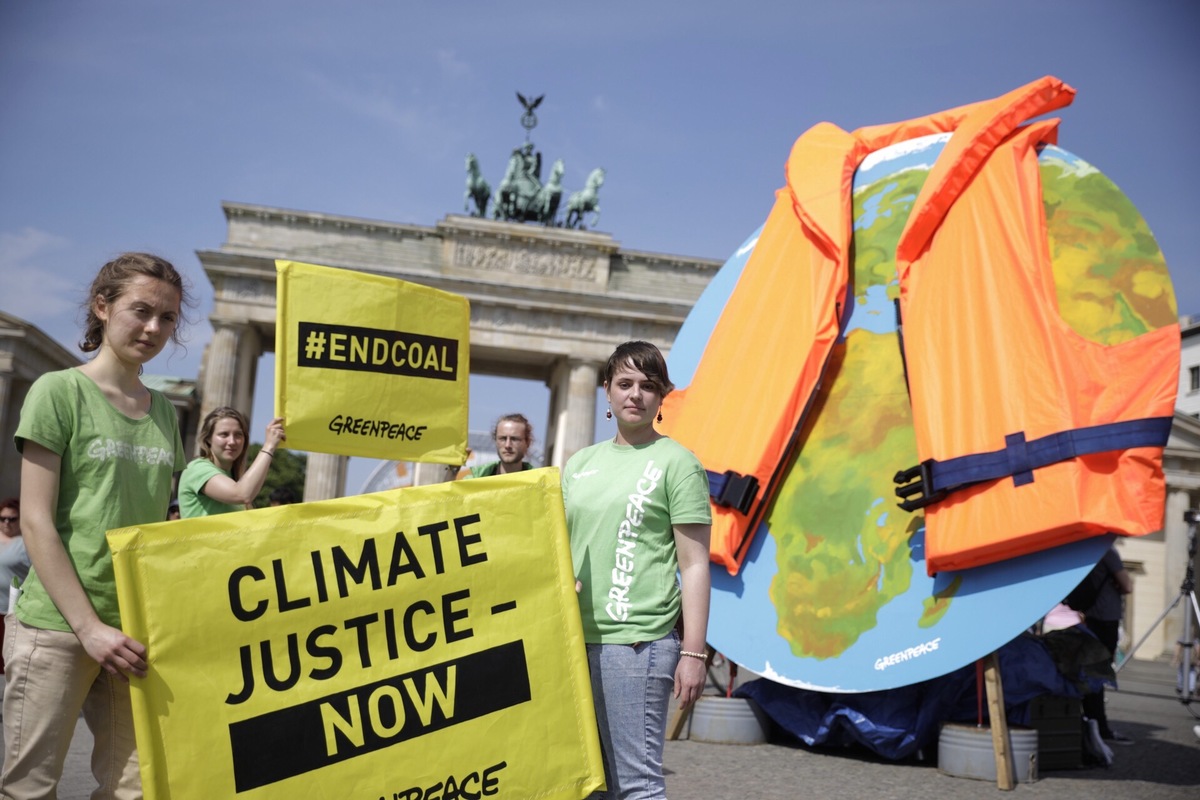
(700, 656)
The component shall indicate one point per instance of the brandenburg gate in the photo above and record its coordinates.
(547, 304)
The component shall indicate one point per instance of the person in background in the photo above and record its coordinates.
(638, 513)
(513, 435)
(1103, 618)
(14, 569)
(14, 559)
(173, 511)
(281, 496)
(219, 481)
(10, 520)
(98, 450)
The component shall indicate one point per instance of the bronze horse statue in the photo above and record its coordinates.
(545, 204)
(478, 189)
(586, 200)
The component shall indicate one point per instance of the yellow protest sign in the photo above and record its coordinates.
(417, 644)
(371, 366)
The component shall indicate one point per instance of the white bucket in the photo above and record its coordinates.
(966, 751)
(728, 720)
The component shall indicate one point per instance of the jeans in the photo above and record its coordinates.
(49, 679)
(631, 688)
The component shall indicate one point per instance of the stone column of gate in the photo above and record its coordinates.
(245, 380)
(427, 474)
(5, 396)
(221, 368)
(325, 477)
(575, 417)
(5, 416)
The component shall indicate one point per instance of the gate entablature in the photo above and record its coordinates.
(547, 303)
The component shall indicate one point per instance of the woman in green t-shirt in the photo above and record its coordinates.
(219, 481)
(98, 452)
(638, 515)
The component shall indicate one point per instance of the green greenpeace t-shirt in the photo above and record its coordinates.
(116, 472)
(193, 502)
(493, 468)
(621, 504)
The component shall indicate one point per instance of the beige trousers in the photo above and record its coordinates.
(49, 680)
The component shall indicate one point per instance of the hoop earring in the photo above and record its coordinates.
(608, 414)
(659, 417)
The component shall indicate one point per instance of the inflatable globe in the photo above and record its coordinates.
(833, 594)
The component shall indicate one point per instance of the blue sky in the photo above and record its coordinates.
(124, 125)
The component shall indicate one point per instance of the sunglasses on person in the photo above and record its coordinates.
(10, 520)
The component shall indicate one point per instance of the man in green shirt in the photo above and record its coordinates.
(513, 435)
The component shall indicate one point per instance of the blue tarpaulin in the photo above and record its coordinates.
(896, 723)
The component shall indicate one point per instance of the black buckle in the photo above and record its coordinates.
(916, 481)
(738, 491)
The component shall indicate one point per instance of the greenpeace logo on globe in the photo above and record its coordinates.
(907, 654)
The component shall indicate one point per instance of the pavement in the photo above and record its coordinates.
(1163, 761)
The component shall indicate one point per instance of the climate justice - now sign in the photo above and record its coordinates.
(413, 644)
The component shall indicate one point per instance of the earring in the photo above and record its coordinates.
(659, 417)
(608, 414)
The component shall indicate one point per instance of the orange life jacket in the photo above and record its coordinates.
(1032, 435)
(980, 206)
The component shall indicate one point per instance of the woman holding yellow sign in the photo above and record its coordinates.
(637, 513)
(98, 452)
(218, 481)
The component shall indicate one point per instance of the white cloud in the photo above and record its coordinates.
(451, 65)
(25, 245)
(369, 103)
(35, 288)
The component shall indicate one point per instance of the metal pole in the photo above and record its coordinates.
(1150, 630)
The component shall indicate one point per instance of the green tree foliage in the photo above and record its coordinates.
(287, 470)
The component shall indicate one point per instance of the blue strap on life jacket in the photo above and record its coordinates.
(732, 489)
(930, 481)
